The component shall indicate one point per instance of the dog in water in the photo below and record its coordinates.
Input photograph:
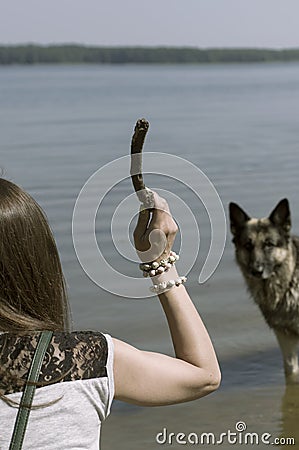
(268, 256)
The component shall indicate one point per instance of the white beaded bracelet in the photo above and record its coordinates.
(156, 268)
(166, 285)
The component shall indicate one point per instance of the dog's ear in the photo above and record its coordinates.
(281, 216)
(238, 218)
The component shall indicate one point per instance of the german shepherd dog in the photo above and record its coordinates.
(268, 257)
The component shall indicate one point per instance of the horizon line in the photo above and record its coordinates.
(145, 46)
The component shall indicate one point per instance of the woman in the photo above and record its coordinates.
(83, 371)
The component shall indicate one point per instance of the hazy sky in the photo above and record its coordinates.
(201, 23)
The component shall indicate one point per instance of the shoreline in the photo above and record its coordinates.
(32, 53)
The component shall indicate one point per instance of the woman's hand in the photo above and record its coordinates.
(155, 231)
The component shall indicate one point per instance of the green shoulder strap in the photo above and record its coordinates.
(27, 397)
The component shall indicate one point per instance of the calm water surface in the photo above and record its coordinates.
(237, 123)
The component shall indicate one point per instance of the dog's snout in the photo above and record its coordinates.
(257, 269)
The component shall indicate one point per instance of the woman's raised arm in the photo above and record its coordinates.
(152, 379)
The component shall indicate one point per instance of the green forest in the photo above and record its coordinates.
(79, 54)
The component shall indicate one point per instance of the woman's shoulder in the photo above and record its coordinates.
(70, 356)
(83, 353)
(64, 340)
(80, 340)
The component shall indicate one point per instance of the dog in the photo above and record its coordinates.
(268, 256)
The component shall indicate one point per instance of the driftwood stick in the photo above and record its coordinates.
(144, 194)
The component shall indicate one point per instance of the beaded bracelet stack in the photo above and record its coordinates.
(165, 285)
(156, 268)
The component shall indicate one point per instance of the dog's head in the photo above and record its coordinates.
(262, 245)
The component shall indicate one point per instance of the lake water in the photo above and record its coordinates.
(240, 125)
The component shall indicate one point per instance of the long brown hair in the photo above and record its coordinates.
(32, 286)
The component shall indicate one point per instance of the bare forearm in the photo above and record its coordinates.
(151, 379)
(196, 362)
(190, 338)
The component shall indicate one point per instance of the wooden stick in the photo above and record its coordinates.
(144, 194)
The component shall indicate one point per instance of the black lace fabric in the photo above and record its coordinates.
(69, 357)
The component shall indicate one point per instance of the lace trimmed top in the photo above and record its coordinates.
(77, 375)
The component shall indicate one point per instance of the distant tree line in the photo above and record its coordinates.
(79, 54)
